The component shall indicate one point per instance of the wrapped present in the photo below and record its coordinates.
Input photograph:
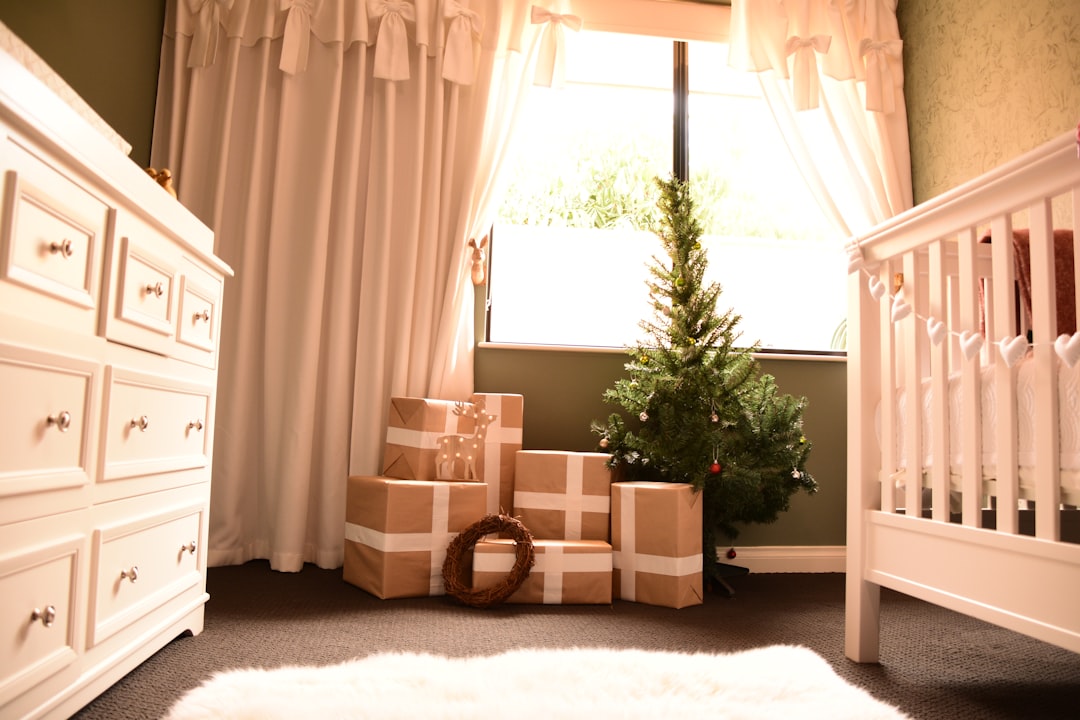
(417, 430)
(562, 495)
(501, 443)
(567, 572)
(397, 531)
(656, 543)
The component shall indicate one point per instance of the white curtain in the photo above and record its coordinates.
(344, 152)
(832, 74)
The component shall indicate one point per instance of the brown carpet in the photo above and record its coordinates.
(934, 663)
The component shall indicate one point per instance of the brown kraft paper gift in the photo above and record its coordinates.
(562, 495)
(397, 531)
(503, 440)
(413, 429)
(656, 542)
(567, 572)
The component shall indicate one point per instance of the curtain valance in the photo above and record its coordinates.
(801, 40)
(448, 27)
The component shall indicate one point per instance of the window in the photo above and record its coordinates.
(571, 244)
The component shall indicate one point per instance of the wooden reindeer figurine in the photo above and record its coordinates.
(479, 256)
(461, 451)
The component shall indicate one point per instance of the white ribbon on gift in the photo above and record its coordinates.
(297, 36)
(435, 542)
(630, 562)
(574, 501)
(805, 84)
(497, 435)
(880, 83)
(459, 59)
(204, 40)
(551, 60)
(392, 41)
(552, 562)
(425, 439)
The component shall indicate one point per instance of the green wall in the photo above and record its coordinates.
(108, 51)
(563, 393)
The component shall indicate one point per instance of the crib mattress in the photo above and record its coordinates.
(1069, 424)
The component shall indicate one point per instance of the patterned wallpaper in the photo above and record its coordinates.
(984, 81)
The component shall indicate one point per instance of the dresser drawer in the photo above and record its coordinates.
(146, 292)
(52, 237)
(154, 424)
(200, 312)
(41, 614)
(140, 564)
(48, 427)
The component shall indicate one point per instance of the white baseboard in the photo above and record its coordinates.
(788, 558)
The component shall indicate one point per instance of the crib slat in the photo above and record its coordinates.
(1004, 327)
(939, 388)
(1076, 255)
(1044, 332)
(887, 369)
(970, 386)
(910, 351)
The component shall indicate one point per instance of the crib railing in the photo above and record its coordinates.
(934, 300)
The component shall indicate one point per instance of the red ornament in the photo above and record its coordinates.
(731, 553)
(715, 468)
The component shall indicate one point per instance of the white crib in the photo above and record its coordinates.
(951, 313)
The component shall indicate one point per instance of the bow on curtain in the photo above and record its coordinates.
(207, 29)
(880, 83)
(805, 85)
(459, 60)
(294, 42)
(842, 56)
(392, 42)
(551, 63)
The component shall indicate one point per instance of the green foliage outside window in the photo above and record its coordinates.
(609, 182)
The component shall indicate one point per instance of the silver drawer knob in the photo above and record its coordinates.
(156, 289)
(64, 248)
(189, 547)
(132, 574)
(61, 420)
(141, 422)
(46, 616)
(204, 316)
(195, 425)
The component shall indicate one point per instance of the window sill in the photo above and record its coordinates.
(831, 356)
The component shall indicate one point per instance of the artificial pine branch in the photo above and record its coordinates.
(694, 397)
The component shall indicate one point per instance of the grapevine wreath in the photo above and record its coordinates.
(463, 544)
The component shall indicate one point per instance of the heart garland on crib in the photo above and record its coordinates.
(1068, 348)
(900, 307)
(970, 343)
(1013, 350)
(855, 258)
(936, 330)
(877, 288)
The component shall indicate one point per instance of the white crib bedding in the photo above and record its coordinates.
(1069, 424)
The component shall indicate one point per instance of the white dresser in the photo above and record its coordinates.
(110, 300)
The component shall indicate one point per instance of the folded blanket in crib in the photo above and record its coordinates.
(1063, 267)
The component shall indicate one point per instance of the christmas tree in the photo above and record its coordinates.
(701, 412)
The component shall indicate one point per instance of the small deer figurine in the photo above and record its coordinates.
(456, 451)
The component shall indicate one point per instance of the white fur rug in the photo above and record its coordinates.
(784, 682)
